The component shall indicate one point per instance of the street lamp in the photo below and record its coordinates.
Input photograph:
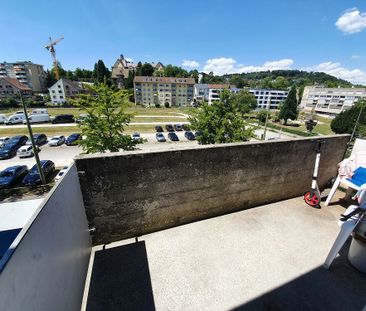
(35, 151)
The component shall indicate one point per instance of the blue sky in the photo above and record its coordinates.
(222, 36)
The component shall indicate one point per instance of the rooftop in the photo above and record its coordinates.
(143, 79)
(265, 258)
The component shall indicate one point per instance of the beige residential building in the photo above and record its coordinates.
(27, 73)
(11, 88)
(330, 101)
(164, 91)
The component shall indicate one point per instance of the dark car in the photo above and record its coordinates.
(63, 118)
(189, 135)
(186, 127)
(73, 139)
(169, 128)
(17, 141)
(178, 127)
(11, 175)
(160, 137)
(173, 137)
(33, 178)
(158, 128)
(39, 139)
(10, 148)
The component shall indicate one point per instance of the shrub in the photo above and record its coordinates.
(166, 105)
(346, 120)
(157, 105)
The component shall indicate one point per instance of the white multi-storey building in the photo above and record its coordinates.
(151, 91)
(330, 101)
(265, 98)
(27, 73)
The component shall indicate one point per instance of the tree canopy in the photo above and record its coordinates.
(244, 101)
(289, 109)
(100, 72)
(345, 121)
(104, 127)
(220, 122)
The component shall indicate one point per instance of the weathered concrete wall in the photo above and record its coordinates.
(130, 194)
(47, 269)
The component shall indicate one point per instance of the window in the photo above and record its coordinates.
(61, 97)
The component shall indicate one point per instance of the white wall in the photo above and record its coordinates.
(47, 270)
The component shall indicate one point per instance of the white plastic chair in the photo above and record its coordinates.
(360, 145)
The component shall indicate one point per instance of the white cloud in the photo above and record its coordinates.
(352, 21)
(190, 63)
(355, 56)
(129, 59)
(336, 69)
(223, 65)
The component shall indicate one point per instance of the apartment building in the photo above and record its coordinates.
(11, 87)
(164, 91)
(265, 98)
(330, 101)
(268, 99)
(27, 73)
(64, 89)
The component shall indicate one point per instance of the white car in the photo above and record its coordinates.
(61, 173)
(57, 141)
(3, 140)
(26, 151)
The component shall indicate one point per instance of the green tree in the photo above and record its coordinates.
(220, 122)
(288, 110)
(138, 69)
(147, 70)
(100, 72)
(262, 115)
(103, 128)
(50, 78)
(244, 101)
(346, 120)
(128, 84)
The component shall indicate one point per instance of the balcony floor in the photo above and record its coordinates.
(265, 258)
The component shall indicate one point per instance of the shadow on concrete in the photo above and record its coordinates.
(340, 288)
(121, 279)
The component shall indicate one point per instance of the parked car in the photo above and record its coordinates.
(2, 118)
(160, 137)
(73, 139)
(189, 135)
(169, 128)
(16, 118)
(186, 127)
(178, 127)
(39, 140)
(63, 118)
(158, 128)
(57, 141)
(136, 136)
(33, 178)
(11, 175)
(173, 137)
(61, 173)
(3, 140)
(18, 140)
(8, 151)
(26, 151)
(81, 118)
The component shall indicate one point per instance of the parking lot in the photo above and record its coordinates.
(63, 155)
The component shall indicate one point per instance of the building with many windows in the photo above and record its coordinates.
(269, 99)
(27, 73)
(164, 91)
(265, 98)
(11, 87)
(64, 89)
(330, 101)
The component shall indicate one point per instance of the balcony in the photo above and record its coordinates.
(233, 234)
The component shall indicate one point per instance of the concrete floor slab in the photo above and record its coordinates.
(265, 258)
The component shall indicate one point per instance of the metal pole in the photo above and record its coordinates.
(35, 151)
(354, 128)
(265, 125)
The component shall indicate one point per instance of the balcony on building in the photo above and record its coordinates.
(220, 227)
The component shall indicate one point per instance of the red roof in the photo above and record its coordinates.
(15, 83)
